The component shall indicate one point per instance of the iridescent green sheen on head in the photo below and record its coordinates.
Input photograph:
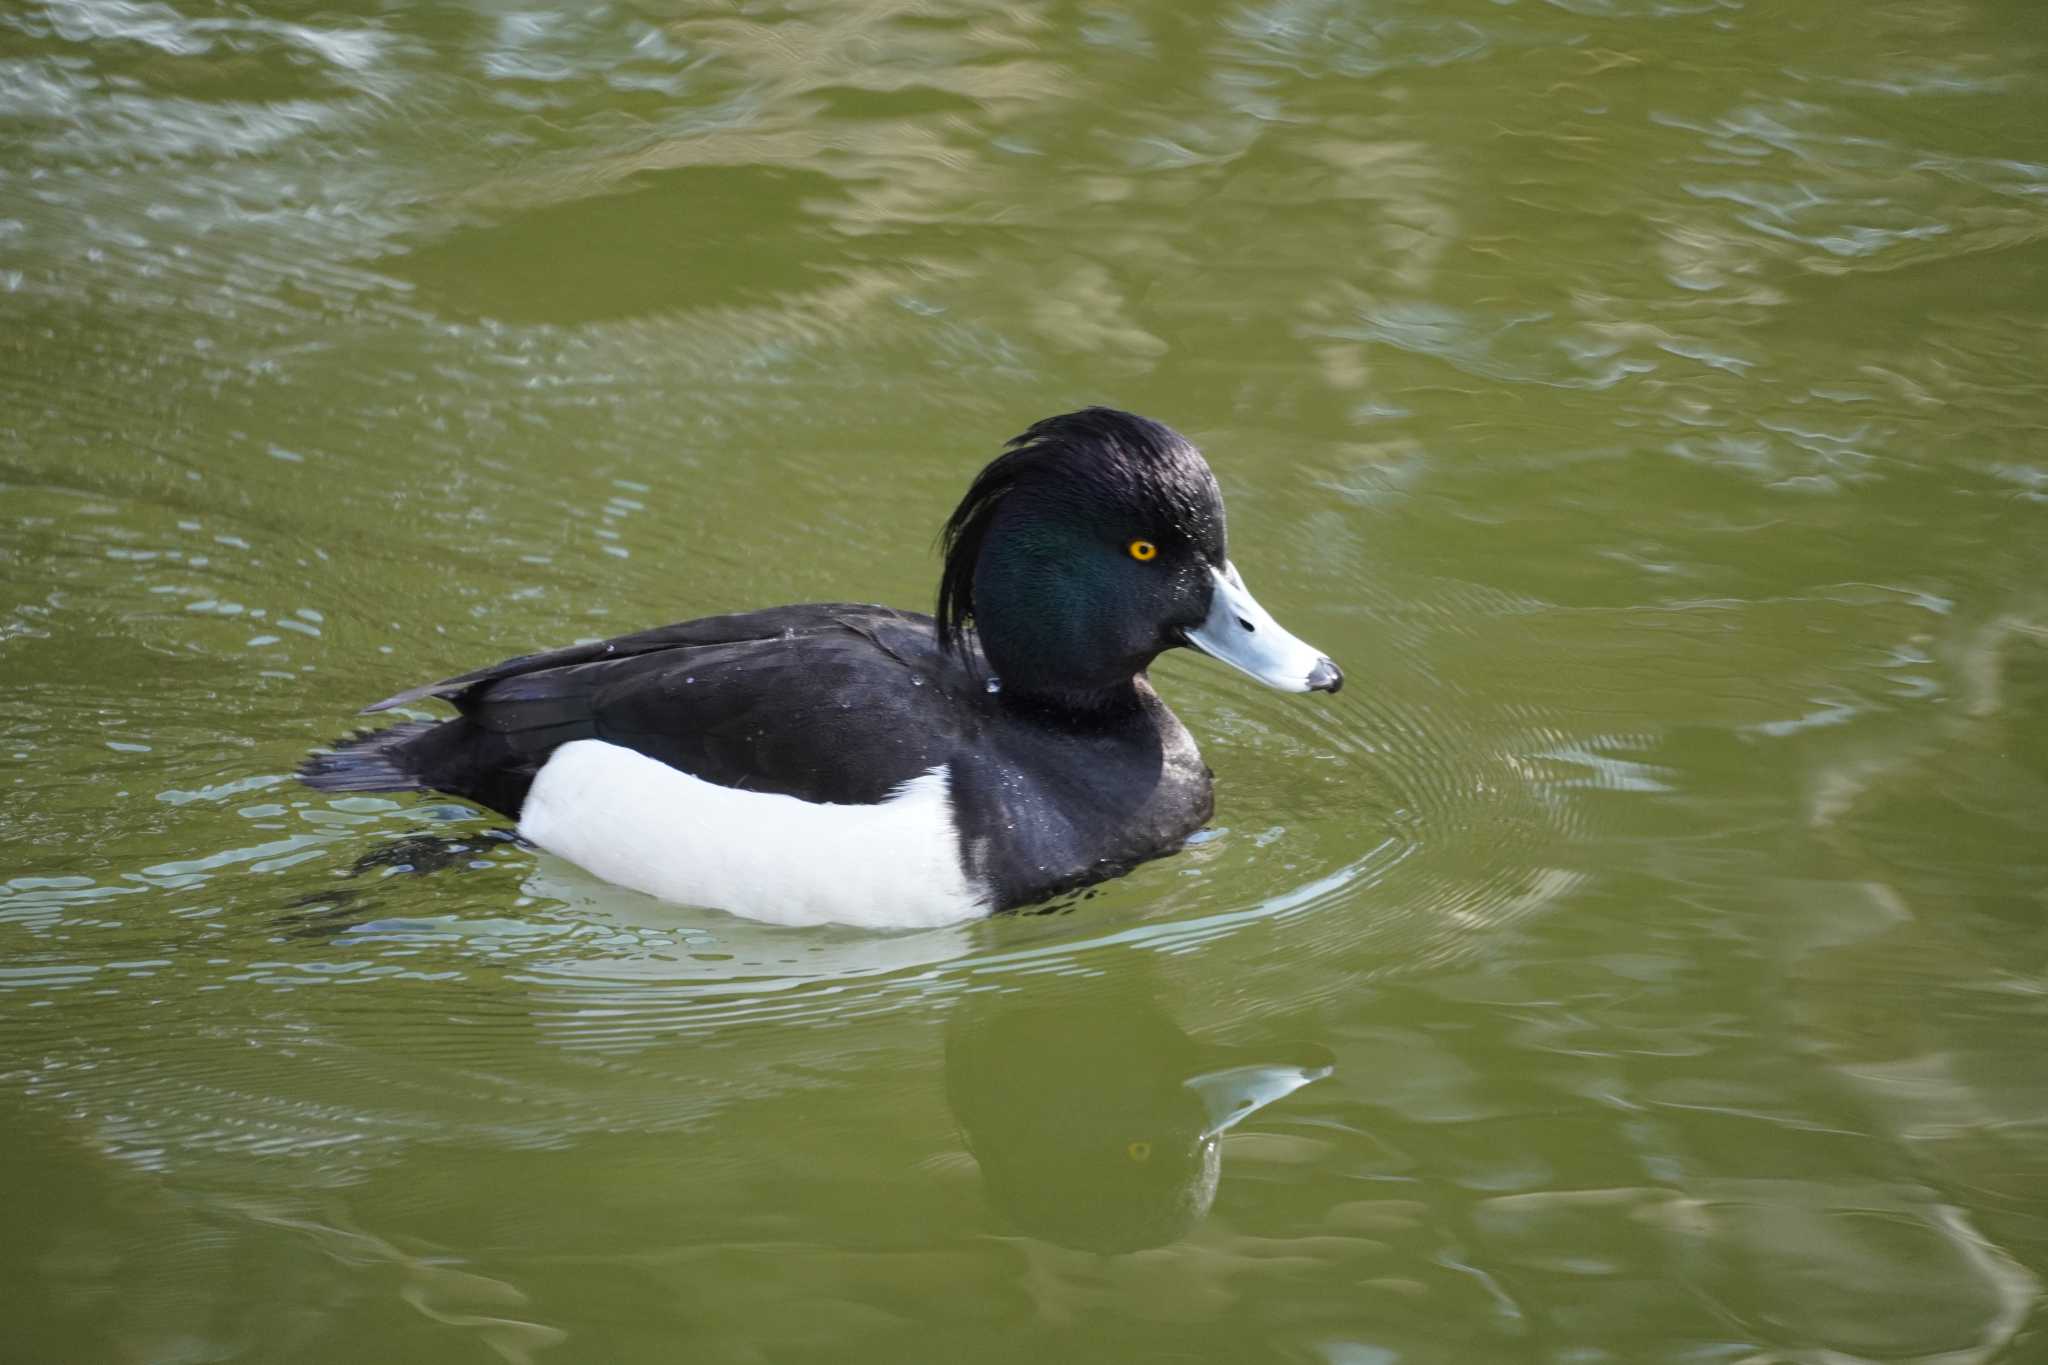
(1038, 558)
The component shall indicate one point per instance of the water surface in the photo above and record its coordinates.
(1642, 960)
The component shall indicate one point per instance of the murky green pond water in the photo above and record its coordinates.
(1642, 960)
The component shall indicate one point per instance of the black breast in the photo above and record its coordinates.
(1047, 804)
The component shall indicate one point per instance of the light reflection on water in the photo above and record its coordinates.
(1641, 400)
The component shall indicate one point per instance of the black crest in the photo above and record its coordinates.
(1091, 459)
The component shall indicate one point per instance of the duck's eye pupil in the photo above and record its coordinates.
(1142, 550)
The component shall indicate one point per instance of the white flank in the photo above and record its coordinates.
(632, 820)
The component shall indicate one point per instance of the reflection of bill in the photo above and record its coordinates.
(1095, 1120)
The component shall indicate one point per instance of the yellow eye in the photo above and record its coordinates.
(1140, 1152)
(1142, 550)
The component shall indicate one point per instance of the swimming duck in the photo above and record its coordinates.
(841, 763)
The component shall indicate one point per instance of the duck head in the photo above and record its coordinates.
(1093, 544)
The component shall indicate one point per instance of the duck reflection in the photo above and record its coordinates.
(1096, 1120)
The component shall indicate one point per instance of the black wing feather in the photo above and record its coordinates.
(734, 628)
(835, 702)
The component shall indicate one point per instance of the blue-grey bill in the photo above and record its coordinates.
(1235, 1093)
(1244, 635)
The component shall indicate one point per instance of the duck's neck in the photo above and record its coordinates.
(1046, 673)
(1095, 709)
(1025, 685)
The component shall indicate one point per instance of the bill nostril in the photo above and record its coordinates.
(1246, 624)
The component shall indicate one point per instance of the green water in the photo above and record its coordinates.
(1642, 960)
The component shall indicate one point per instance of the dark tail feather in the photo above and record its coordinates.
(386, 760)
